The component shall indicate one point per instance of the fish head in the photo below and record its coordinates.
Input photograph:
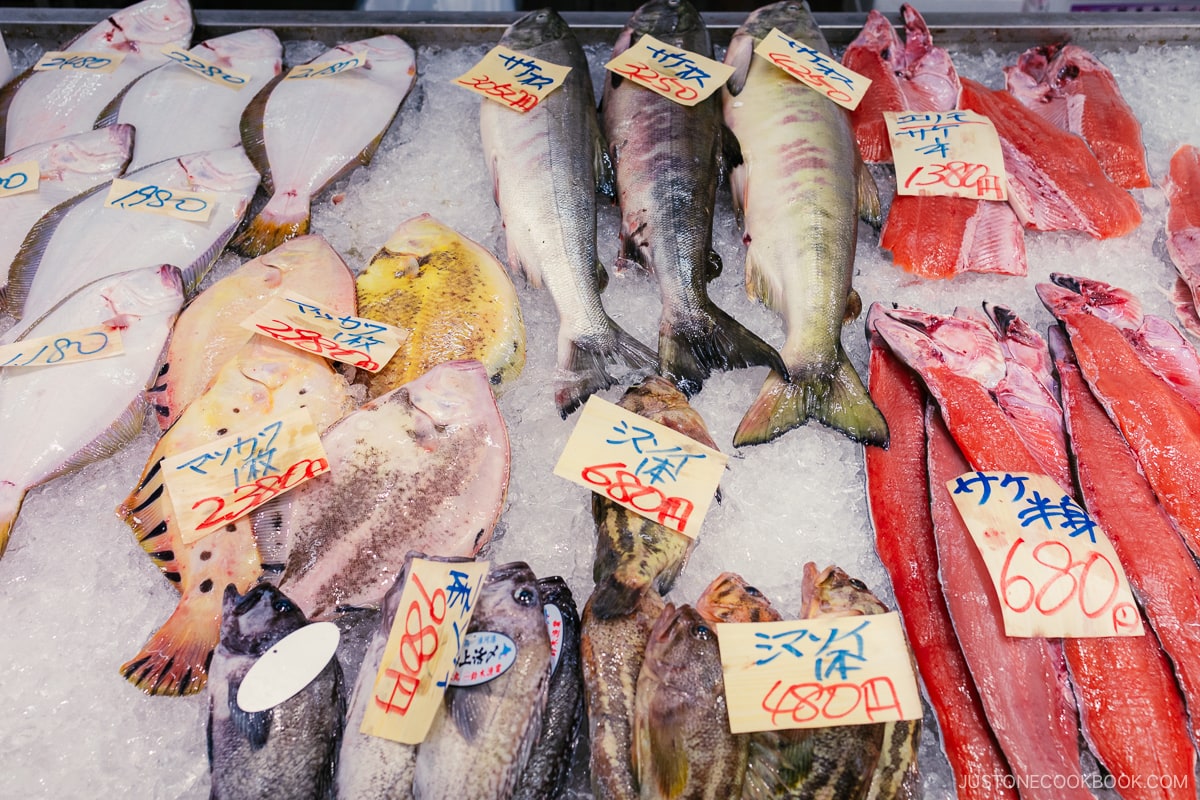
(968, 347)
(252, 623)
(729, 598)
(226, 170)
(147, 292)
(674, 22)
(535, 28)
(243, 49)
(555, 592)
(97, 152)
(682, 649)
(793, 18)
(659, 400)
(833, 593)
(511, 602)
(451, 393)
(1067, 293)
(149, 25)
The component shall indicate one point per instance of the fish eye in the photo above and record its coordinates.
(750, 590)
(701, 631)
(857, 584)
(525, 596)
(283, 605)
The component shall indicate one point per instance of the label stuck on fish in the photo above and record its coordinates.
(815, 673)
(1053, 569)
(218, 483)
(675, 73)
(513, 79)
(483, 656)
(816, 70)
(291, 664)
(300, 322)
(642, 465)
(554, 627)
(85, 344)
(151, 199)
(951, 153)
(98, 63)
(20, 178)
(435, 607)
(327, 69)
(206, 69)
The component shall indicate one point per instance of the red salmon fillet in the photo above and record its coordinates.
(940, 237)
(1182, 186)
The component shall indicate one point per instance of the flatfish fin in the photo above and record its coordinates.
(108, 115)
(251, 126)
(145, 513)
(11, 497)
(194, 273)
(122, 431)
(6, 98)
(176, 658)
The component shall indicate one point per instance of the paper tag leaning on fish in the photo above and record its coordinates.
(675, 73)
(1053, 568)
(95, 63)
(513, 79)
(152, 199)
(328, 69)
(206, 69)
(642, 465)
(20, 178)
(86, 344)
(816, 70)
(952, 153)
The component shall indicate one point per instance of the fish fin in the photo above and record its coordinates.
(145, 512)
(7, 93)
(112, 109)
(662, 764)
(272, 535)
(606, 178)
(689, 353)
(468, 707)
(584, 368)
(120, 433)
(254, 726)
(176, 658)
(251, 126)
(738, 178)
(11, 497)
(838, 400)
(731, 150)
(868, 197)
(759, 285)
(275, 224)
(601, 277)
(157, 394)
(740, 55)
(194, 273)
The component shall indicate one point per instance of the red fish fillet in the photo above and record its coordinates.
(1069, 87)
(940, 237)
(1054, 181)
(1182, 186)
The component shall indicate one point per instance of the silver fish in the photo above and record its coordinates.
(544, 164)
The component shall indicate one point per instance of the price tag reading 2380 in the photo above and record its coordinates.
(301, 323)
(953, 153)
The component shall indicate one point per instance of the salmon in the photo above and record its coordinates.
(1182, 185)
(940, 237)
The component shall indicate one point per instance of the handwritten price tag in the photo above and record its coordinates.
(814, 69)
(813, 673)
(206, 69)
(952, 153)
(20, 178)
(435, 608)
(681, 75)
(220, 482)
(98, 63)
(554, 627)
(513, 79)
(302, 323)
(327, 69)
(1053, 568)
(151, 199)
(646, 467)
(86, 344)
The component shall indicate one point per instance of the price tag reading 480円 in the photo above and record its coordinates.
(953, 153)
(1053, 568)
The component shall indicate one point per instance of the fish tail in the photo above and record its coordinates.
(838, 400)
(585, 367)
(176, 658)
(687, 354)
(11, 497)
(285, 216)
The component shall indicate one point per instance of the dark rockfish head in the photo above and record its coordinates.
(729, 598)
(671, 21)
(535, 28)
(252, 623)
(833, 593)
(511, 603)
(682, 651)
(555, 592)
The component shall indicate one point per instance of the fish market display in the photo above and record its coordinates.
(83, 240)
(50, 104)
(1070, 88)
(177, 110)
(45, 430)
(799, 192)
(424, 467)
(492, 726)
(451, 296)
(542, 164)
(67, 167)
(209, 331)
(302, 134)
(666, 159)
(289, 749)
(1182, 186)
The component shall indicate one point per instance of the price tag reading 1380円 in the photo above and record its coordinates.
(675, 73)
(952, 153)
(1053, 568)
(513, 79)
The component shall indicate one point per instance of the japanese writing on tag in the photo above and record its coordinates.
(206, 69)
(20, 178)
(85, 344)
(484, 655)
(513, 79)
(642, 465)
(813, 673)
(952, 153)
(554, 628)
(327, 69)
(84, 62)
(817, 70)
(192, 206)
(435, 607)
(224, 480)
(1052, 567)
(675, 73)
(302, 323)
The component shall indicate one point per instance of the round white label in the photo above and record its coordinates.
(289, 666)
(484, 655)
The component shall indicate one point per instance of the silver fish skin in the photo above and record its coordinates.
(6, 67)
(544, 164)
(40, 106)
(176, 111)
(287, 750)
(667, 159)
(799, 192)
(492, 726)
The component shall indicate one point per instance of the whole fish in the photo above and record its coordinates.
(289, 750)
(492, 726)
(544, 164)
(452, 297)
(305, 133)
(140, 305)
(682, 746)
(209, 331)
(633, 552)
(82, 240)
(799, 192)
(40, 106)
(262, 382)
(666, 159)
(424, 467)
(66, 167)
(177, 111)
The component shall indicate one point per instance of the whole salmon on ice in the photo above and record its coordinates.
(799, 191)
(42, 105)
(304, 133)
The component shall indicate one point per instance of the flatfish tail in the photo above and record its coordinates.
(285, 216)
(11, 497)
(176, 658)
